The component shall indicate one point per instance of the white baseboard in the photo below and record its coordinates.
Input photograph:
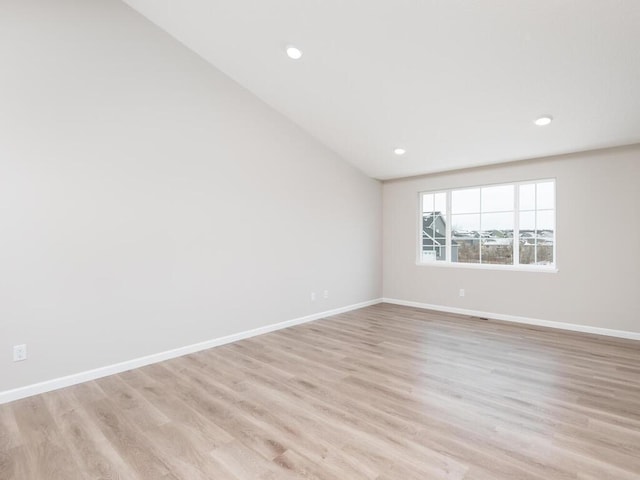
(516, 319)
(56, 383)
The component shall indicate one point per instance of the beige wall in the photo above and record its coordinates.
(598, 246)
(148, 202)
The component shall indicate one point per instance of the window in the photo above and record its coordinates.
(510, 224)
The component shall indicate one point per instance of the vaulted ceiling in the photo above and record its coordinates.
(455, 83)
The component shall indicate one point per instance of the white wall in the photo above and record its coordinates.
(148, 202)
(598, 248)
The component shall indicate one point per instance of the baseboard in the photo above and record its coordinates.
(516, 319)
(67, 381)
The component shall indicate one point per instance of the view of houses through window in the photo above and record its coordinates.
(511, 224)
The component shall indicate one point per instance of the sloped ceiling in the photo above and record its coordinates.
(457, 83)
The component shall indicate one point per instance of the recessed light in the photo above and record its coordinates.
(399, 151)
(542, 121)
(294, 53)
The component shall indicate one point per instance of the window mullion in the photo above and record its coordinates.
(448, 235)
(555, 220)
(516, 226)
(480, 232)
(535, 225)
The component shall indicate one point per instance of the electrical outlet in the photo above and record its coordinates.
(325, 294)
(462, 292)
(19, 353)
(313, 296)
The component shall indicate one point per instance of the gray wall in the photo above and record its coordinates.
(148, 202)
(598, 247)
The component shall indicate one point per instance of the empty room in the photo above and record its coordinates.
(319, 240)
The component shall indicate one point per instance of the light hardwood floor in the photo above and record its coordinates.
(386, 393)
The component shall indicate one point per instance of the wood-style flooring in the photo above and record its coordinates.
(385, 392)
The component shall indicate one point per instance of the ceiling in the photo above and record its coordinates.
(456, 83)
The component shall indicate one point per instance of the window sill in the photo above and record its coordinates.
(489, 266)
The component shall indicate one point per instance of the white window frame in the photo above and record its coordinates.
(550, 268)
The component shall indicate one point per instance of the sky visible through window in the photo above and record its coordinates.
(497, 204)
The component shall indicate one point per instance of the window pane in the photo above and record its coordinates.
(527, 237)
(466, 225)
(465, 246)
(434, 241)
(497, 251)
(465, 201)
(527, 222)
(427, 203)
(527, 253)
(545, 220)
(497, 199)
(500, 222)
(433, 253)
(440, 227)
(440, 203)
(528, 196)
(545, 236)
(545, 198)
(497, 237)
(544, 252)
(465, 250)
(429, 254)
